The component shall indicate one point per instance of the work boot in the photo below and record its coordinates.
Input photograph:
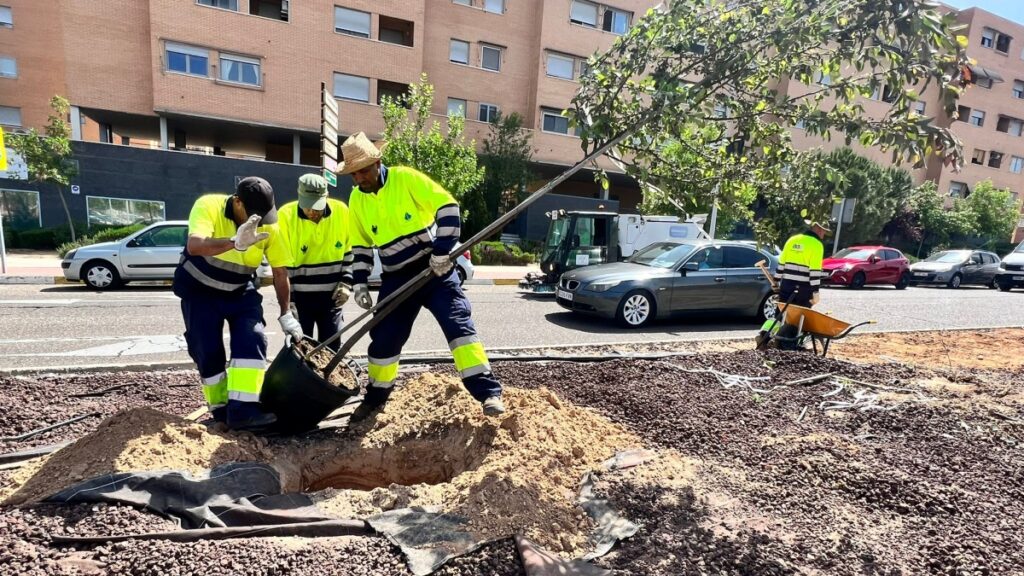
(218, 415)
(372, 401)
(493, 406)
(248, 416)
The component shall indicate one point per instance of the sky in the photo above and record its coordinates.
(1009, 9)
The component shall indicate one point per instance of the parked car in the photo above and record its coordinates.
(954, 268)
(1011, 270)
(858, 266)
(668, 278)
(153, 253)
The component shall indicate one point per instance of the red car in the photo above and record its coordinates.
(858, 266)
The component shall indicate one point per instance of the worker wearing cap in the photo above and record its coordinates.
(799, 267)
(395, 209)
(228, 237)
(315, 230)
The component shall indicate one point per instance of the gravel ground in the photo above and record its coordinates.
(926, 488)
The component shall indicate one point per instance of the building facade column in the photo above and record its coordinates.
(76, 123)
(296, 149)
(163, 133)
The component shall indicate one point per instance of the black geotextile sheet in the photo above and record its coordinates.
(235, 494)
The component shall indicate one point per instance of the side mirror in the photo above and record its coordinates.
(133, 243)
(873, 259)
(691, 267)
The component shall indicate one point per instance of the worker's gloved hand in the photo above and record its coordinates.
(815, 298)
(341, 294)
(440, 265)
(291, 326)
(247, 235)
(362, 295)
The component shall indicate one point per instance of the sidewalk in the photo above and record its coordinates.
(43, 267)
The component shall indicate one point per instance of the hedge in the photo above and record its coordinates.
(496, 253)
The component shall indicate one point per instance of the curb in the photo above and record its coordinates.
(11, 279)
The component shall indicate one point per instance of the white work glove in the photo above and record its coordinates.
(341, 294)
(291, 326)
(815, 298)
(362, 295)
(247, 235)
(441, 265)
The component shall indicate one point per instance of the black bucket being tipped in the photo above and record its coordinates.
(298, 395)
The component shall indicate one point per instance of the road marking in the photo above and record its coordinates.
(38, 302)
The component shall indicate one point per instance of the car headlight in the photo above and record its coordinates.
(71, 255)
(847, 267)
(603, 286)
(1002, 265)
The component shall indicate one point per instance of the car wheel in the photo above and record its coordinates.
(101, 275)
(955, 281)
(904, 281)
(462, 275)
(769, 307)
(636, 309)
(991, 285)
(1004, 287)
(858, 281)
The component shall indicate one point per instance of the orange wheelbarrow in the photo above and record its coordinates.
(820, 328)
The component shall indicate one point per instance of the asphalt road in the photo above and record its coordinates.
(61, 326)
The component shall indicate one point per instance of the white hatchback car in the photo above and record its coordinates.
(153, 253)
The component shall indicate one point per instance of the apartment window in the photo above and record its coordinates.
(8, 67)
(978, 157)
(20, 209)
(978, 117)
(10, 116)
(496, 6)
(1018, 89)
(995, 159)
(721, 110)
(225, 4)
(584, 13)
(616, 21)
(394, 90)
(957, 189)
(240, 69)
(822, 78)
(919, 107)
(1016, 164)
(456, 107)
(188, 59)
(554, 121)
(351, 87)
(351, 22)
(276, 9)
(396, 31)
(458, 51)
(1012, 126)
(988, 37)
(888, 95)
(488, 113)
(6, 17)
(490, 57)
(122, 211)
(801, 124)
(560, 66)
(464, 2)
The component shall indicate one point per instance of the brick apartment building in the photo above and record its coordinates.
(157, 84)
(241, 78)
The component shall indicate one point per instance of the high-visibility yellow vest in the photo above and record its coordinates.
(320, 252)
(801, 259)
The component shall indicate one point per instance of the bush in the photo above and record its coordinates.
(103, 235)
(498, 254)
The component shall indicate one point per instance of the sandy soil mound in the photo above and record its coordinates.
(1001, 349)
(133, 440)
(432, 446)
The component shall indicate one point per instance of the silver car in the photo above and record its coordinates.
(954, 268)
(153, 253)
(667, 279)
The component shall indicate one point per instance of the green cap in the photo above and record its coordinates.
(312, 192)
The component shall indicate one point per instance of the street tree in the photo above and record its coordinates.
(414, 140)
(700, 92)
(48, 155)
(506, 161)
(992, 212)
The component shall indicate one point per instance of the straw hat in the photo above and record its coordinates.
(812, 224)
(357, 153)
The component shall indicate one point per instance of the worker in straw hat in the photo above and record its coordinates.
(315, 231)
(396, 210)
(799, 269)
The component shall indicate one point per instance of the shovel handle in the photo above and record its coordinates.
(764, 269)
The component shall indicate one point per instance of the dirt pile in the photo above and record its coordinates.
(341, 377)
(950, 350)
(133, 440)
(432, 446)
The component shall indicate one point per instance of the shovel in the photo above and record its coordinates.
(291, 382)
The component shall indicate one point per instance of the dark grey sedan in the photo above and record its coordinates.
(955, 268)
(668, 279)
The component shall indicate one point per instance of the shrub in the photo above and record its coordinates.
(103, 235)
(496, 253)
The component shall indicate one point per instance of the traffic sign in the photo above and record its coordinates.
(330, 102)
(330, 148)
(330, 164)
(331, 178)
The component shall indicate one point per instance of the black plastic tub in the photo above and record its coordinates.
(298, 395)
